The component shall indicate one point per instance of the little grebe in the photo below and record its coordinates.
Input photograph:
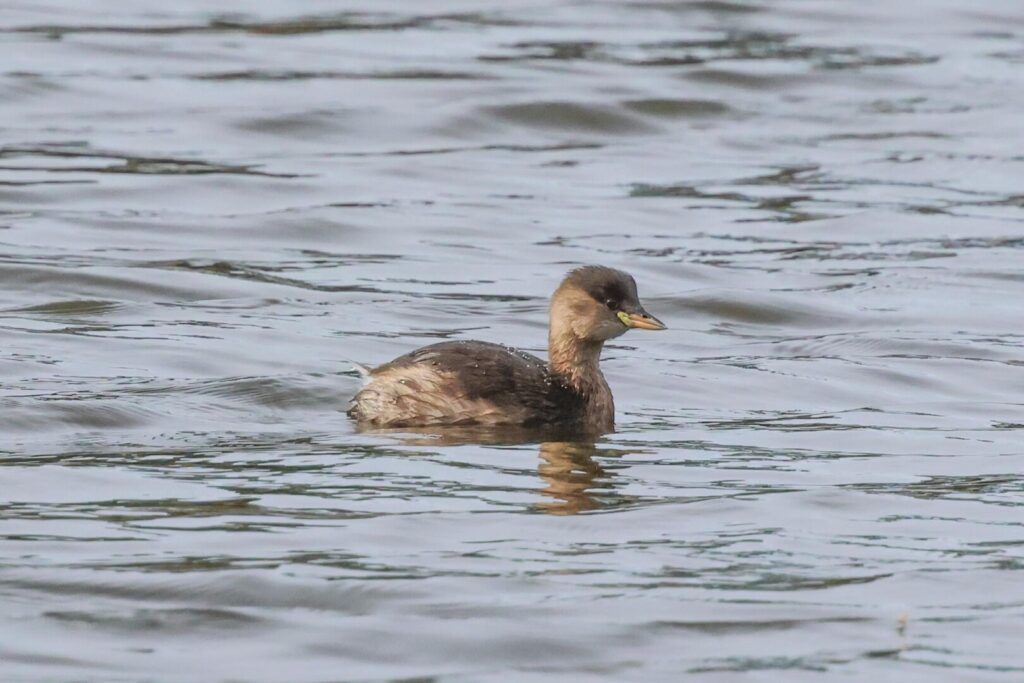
(479, 383)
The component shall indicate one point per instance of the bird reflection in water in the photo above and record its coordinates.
(571, 474)
(574, 481)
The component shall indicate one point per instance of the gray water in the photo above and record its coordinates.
(205, 216)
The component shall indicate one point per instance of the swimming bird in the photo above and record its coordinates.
(458, 383)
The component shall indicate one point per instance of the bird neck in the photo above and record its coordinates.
(576, 361)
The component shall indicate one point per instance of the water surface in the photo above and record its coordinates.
(205, 215)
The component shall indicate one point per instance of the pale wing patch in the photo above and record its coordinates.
(422, 395)
(365, 372)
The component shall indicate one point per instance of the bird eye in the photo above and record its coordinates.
(612, 304)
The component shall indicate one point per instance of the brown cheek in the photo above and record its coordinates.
(611, 330)
(580, 309)
(581, 318)
(579, 328)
